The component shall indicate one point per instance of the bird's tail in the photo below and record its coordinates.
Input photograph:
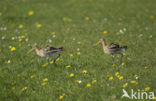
(124, 48)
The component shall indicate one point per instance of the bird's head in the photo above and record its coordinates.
(33, 48)
(100, 41)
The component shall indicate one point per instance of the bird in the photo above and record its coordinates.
(125, 94)
(47, 52)
(112, 49)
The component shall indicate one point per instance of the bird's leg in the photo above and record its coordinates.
(56, 58)
(121, 58)
(112, 59)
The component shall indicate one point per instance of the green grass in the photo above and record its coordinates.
(111, 15)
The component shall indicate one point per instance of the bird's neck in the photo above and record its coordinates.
(37, 50)
(104, 45)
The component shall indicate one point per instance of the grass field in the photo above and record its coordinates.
(84, 72)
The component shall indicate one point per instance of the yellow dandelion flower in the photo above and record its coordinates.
(122, 63)
(121, 77)
(69, 20)
(84, 71)
(154, 98)
(53, 33)
(117, 33)
(45, 79)
(152, 17)
(68, 66)
(86, 18)
(113, 65)
(78, 53)
(124, 54)
(105, 32)
(71, 55)
(43, 84)
(20, 26)
(44, 65)
(117, 73)
(71, 75)
(30, 13)
(19, 45)
(22, 36)
(142, 90)
(147, 88)
(64, 19)
(20, 39)
(79, 42)
(63, 94)
(9, 62)
(39, 25)
(110, 78)
(145, 67)
(76, 81)
(13, 49)
(18, 75)
(24, 88)
(32, 76)
(124, 85)
(88, 85)
(61, 97)
(51, 62)
(58, 59)
(94, 81)
(133, 82)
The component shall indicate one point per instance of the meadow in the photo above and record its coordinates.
(83, 72)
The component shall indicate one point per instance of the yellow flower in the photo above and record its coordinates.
(64, 19)
(105, 32)
(113, 65)
(38, 25)
(145, 67)
(124, 85)
(152, 17)
(43, 84)
(122, 63)
(147, 88)
(13, 49)
(58, 59)
(70, 20)
(108, 76)
(142, 90)
(44, 65)
(117, 73)
(111, 78)
(22, 36)
(117, 33)
(19, 45)
(71, 55)
(154, 98)
(53, 33)
(78, 53)
(68, 66)
(68, 29)
(51, 62)
(20, 26)
(0, 14)
(79, 42)
(61, 97)
(94, 81)
(45, 79)
(121, 77)
(18, 75)
(24, 88)
(133, 82)
(30, 13)
(88, 85)
(86, 18)
(32, 76)
(20, 40)
(9, 62)
(71, 75)
(84, 71)
(124, 54)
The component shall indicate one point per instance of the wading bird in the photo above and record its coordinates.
(112, 48)
(47, 52)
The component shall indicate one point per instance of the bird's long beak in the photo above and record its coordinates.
(30, 50)
(96, 43)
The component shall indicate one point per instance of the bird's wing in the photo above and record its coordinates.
(113, 45)
(49, 48)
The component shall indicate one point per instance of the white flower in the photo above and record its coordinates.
(73, 39)
(26, 39)
(150, 36)
(3, 37)
(79, 81)
(121, 31)
(50, 40)
(54, 36)
(136, 77)
(10, 47)
(13, 38)
(78, 49)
